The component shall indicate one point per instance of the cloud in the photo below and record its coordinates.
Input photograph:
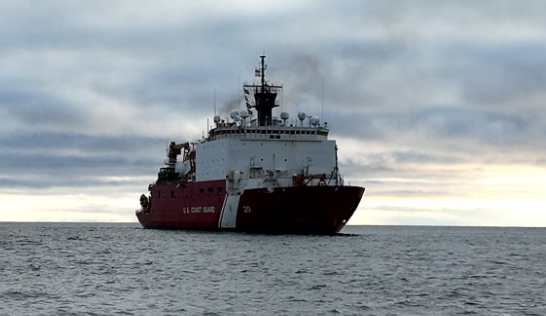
(87, 144)
(78, 184)
(38, 108)
(53, 160)
(465, 130)
(428, 90)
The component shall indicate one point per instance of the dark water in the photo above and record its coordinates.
(110, 269)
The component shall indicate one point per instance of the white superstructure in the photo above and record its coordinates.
(254, 150)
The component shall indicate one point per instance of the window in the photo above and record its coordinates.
(201, 190)
(210, 190)
(172, 194)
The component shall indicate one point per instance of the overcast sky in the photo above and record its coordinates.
(439, 107)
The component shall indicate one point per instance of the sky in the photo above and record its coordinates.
(438, 107)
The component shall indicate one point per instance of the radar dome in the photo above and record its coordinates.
(235, 116)
(244, 114)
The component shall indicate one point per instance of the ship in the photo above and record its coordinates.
(253, 172)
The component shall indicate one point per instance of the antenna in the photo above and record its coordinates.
(262, 71)
(214, 101)
(321, 97)
(264, 95)
(283, 107)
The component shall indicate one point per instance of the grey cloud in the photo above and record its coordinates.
(68, 164)
(385, 79)
(89, 144)
(468, 129)
(38, 108)
(80, 182)
(387, 175)
(57, 159)
(233, 103)
(414, 156)
(497, 75)
(42, 171)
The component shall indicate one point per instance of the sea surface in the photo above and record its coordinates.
(121, 269)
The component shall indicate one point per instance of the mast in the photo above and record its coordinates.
(264, 95)
(262, 72)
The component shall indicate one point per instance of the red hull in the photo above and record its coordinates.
(196, 205)
(303, 209)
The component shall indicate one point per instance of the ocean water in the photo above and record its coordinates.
(121, 269)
